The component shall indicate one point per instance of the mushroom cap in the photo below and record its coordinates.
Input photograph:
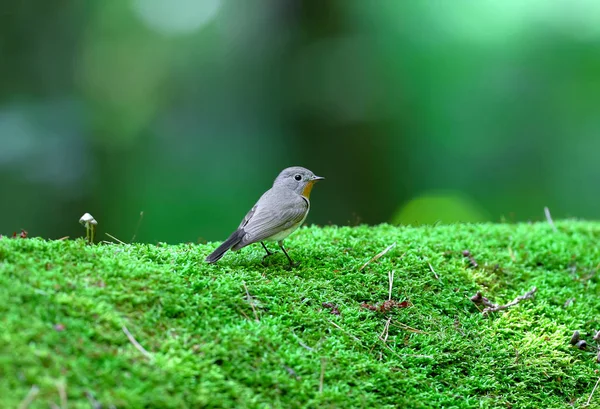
(87, 219)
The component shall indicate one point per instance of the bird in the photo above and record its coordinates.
(277, 214)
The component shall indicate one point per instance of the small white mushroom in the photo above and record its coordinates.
(88, 221)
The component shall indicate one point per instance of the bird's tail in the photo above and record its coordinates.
(234, 239)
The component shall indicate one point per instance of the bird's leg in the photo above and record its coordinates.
(267, 250)
(292, 264)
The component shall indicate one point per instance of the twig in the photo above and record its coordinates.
(250, 301)
(62, 392)
(136, 344)
(31, 395)
(291, 372)
(137, 227)
(322, 378)
(528, 295)
(592, 394)
(114, 238)
(433, 271)
(344, 331)
(408, 328)
(388, 248)
(478, 298)
(243, 313)
(391, 280)
(472, 260)
(590, 275)
(93, 402)
(511, 253)
(386, 330)
(549, 218)
(491, 307)
(303, 345)
(386, 305)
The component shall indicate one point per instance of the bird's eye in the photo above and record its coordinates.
(298, 178)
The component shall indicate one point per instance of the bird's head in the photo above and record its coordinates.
(298, 179)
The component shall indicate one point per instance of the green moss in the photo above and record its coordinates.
(208, 350)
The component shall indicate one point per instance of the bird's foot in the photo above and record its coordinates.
(265, 257)
(292, 265)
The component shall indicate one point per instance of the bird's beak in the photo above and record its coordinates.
(315, 178)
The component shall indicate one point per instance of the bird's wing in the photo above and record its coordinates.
(248, 217)
(277, 210)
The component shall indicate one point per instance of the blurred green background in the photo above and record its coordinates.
(414, 111)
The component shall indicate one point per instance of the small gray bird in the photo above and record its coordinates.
(276, 215)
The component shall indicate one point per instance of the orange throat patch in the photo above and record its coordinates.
(308, 189)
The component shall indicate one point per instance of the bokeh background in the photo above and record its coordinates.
(414, 111)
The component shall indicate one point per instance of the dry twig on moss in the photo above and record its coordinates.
(592, 394)
(491, 307)
(472, 261)
(136, 344)
(31, 395)
(378, 256)
(322, 377)
(250, 301)
(386, 305)
(433, 271)
(386, 331)
(93, 402)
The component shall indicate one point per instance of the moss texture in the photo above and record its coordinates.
(63, 306)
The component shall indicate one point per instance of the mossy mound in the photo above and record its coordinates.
(65, 308)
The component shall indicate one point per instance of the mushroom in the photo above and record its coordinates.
(88, 221)
(581, 344)
(575, 338)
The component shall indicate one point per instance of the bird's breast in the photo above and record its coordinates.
(284, 233)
